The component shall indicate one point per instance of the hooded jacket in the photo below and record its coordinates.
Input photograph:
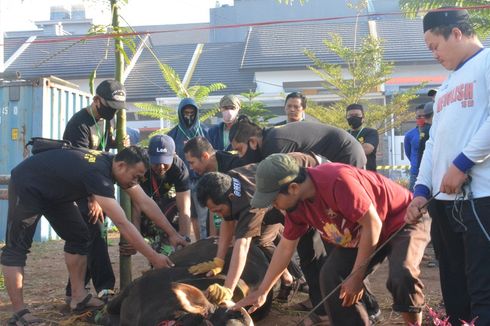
(181, 133)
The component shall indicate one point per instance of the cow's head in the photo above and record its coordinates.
(199, 311)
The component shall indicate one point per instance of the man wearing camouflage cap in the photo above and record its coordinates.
(355, 210)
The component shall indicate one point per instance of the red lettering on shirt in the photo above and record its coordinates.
(462, 93)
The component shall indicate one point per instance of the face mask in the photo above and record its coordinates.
(354, 122)
(188, 120)
(106, 112)
(251, 155)
(229, 116)
(420, 122)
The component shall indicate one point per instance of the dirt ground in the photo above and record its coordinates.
(46, 277)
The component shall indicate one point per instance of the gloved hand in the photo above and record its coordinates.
(214, 267)
(217, 294)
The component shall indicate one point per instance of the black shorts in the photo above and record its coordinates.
(22, 219)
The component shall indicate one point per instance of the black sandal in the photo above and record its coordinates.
(18, 317)
(83, 306)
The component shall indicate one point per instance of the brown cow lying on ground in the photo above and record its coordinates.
(175, 297)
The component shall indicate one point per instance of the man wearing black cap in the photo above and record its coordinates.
(166, 170)
(86, 129)
(368, 137)
(456, 166)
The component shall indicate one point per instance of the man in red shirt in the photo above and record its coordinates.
(357, 211)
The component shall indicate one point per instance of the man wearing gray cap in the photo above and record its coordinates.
(218, 135)
(456, 166)
(355, 210)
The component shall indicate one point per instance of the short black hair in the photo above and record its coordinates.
(197, 146)
(420, 107)
(297, 95)
(133, 155)
(354, 106)
(446, 30)
(215, 186)
(300, 178)
(244, 129)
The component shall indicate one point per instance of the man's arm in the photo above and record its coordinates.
(371, 141)
(183, 200)
(351, 291)
(237, 263)
(280, 260)
(136, 215)
(226, 233)
(153, 212)
(407, 145)
(130, 233)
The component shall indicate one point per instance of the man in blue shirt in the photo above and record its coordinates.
(411, 143)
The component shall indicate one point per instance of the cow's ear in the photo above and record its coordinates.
(191, 299)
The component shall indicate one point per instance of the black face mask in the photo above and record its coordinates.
(106, 112)
(188, 121)
(354, 122)
(251, 155)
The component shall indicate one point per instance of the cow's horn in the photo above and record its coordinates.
(248, 320)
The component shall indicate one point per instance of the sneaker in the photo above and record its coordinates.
(105, 295)
(286, 290)
(374, 317)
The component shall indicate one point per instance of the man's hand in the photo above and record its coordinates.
(126, 249)
(212, 267)
(161, 261)
(352, 290)
(453, 180)
(415, 210)
(217, 294)
(254, 300)
(95, 212)
(177, 240)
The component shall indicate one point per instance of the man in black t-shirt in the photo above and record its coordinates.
(86, 129)
(166, 171)
(368, 137)
(254, 143)
(48, 184)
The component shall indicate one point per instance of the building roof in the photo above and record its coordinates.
(146, 82)
(220, 62)
(281, 46)
(11, 45)
(403, 40)
(66, 58)
(176, 34)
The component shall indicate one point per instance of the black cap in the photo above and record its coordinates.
(432, 92)
(445, 17)
(113, 92)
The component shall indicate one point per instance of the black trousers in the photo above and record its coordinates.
(312, 252)
(99, 267)
(463, 252)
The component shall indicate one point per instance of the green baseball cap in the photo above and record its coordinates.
(273, 172)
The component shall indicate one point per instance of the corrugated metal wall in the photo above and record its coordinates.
(28, 109)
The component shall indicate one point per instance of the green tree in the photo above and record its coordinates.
(367, 72)
(254, 109)
(480, 17)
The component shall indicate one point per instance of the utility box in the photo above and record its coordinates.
(33, 108)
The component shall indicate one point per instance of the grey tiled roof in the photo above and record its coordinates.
(146, 82)
(281, 46)
(11, 45)
(403, 41)
(220, 62)
(66, 59)
(162, 34)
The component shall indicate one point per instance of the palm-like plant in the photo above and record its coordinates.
(480, 16)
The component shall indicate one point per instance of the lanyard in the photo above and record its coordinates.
(155, 186)
(102, 136)
(357, 136)
(196, 133)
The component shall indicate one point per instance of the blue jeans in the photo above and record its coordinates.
(463, 251)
